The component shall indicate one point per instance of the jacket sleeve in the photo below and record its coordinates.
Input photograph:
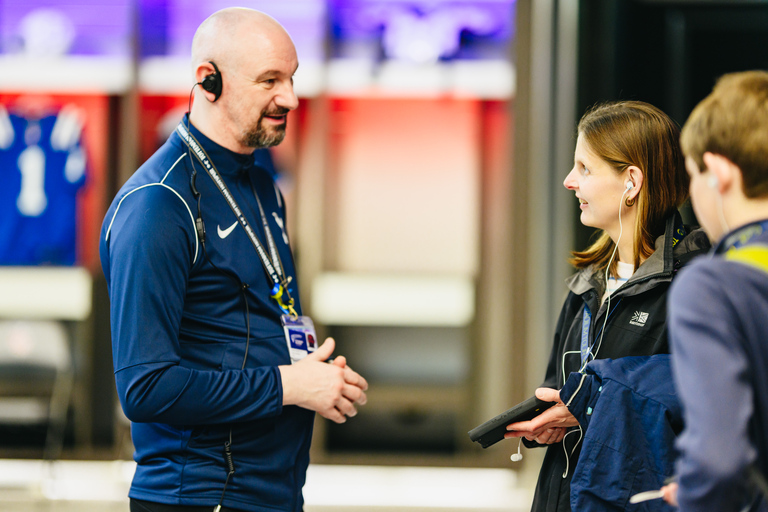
(710, 371)
(147, 258)
(580, 395)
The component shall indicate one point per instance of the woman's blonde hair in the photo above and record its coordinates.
(626, 133)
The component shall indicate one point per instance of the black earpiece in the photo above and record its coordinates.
(213, 83)
(199, 219)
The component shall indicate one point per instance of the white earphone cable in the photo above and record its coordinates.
(607, 271)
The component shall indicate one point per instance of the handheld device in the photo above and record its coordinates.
(493, 430)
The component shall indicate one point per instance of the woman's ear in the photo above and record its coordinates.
(636, 177)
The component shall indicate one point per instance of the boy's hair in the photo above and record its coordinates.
(733, 122)
(626, 133)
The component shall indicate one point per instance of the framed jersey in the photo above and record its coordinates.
(44, 167)
(52, 160)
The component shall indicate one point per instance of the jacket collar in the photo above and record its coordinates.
(227, 162)
(756, 231)
(669, 247)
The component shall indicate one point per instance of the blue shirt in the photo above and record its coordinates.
(718, 331)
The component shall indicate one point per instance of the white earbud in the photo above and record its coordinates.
(629, 185)
(517, 457)
(713, 181)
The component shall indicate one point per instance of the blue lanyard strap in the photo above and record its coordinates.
(586, 321)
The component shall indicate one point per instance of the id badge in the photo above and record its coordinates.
(300, 336)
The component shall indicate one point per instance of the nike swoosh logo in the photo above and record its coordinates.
(224, 233)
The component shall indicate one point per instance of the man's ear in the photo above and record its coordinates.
(208, 77)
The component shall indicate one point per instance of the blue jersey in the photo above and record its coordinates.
(43, 166)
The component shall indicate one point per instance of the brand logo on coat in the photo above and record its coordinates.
(224, 233)
(639, 319)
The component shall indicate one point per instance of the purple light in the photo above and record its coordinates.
(51, 27)
(422, 31)
(426, 37)
(168, 26)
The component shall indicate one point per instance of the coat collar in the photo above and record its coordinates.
(756, 231)
(227, 162)
(670, 247)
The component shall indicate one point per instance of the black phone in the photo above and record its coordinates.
(493, 430)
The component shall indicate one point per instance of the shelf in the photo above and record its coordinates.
(173, 76)
(425, 398)
(401, 300)
(104, 485)
(338, 487)
(489, 79)
(481, 79)
(73, 74)
(56, 293)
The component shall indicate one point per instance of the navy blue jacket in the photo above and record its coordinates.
(630, 415)
(179, 335)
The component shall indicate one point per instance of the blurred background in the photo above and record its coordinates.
(423, 175)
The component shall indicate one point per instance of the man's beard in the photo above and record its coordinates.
(262, 137)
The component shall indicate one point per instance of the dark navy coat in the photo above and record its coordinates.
(636, 326)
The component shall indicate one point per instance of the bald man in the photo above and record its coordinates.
(214, 363)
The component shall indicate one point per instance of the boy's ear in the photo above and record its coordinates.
(724, 172)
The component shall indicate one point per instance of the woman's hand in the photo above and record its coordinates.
(548, 427)
(670, 493)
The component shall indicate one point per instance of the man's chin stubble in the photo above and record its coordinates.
(263, 139)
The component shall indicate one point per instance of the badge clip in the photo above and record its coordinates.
(286, 303)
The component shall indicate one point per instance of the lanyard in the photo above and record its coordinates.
(679, 233)
(586, 321)
(272, 265)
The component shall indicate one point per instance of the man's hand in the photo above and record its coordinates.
(548, 427)
(331, 390)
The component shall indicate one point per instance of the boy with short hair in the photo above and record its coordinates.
(718, 306)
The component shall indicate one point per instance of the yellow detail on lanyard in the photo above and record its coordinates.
(277, 294)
